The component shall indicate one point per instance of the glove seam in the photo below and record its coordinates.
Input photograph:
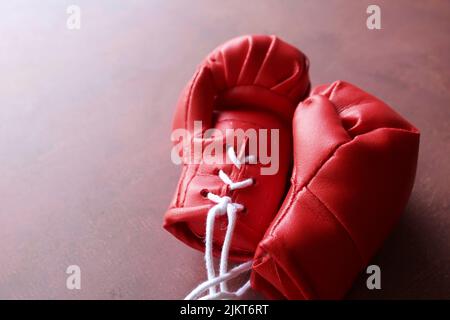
(295, 190)
(339, 222)
(307, 290)
(266, 57)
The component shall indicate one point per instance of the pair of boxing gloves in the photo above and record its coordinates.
(345, 171)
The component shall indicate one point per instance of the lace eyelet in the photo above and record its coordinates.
(204, 193)
(228, 191)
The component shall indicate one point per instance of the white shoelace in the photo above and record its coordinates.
(224, 205)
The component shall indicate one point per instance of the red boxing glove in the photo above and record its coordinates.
(251, 82)
(354, 166)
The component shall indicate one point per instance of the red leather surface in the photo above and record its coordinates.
(252, 82)
(86, 115)
(355, 162)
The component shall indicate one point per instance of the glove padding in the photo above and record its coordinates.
(354, 167)
(251, 82)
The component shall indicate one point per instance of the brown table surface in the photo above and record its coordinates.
(85, 170)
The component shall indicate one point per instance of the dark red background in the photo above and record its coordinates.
(85, 170)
